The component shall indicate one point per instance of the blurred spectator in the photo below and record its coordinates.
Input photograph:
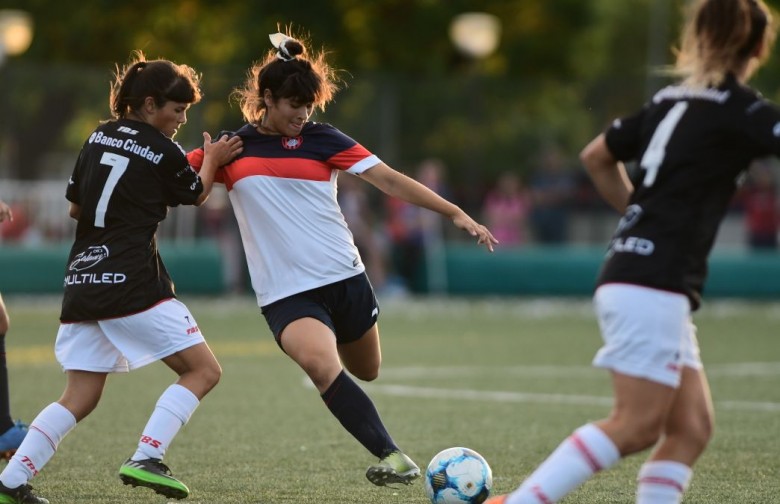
(21, 230)
(416, 234)
(762, 209)
(552, 186)
(506, 210)
(354, 202)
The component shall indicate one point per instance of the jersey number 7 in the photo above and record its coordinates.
(118, 166)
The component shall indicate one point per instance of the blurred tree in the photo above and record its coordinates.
(563, 69)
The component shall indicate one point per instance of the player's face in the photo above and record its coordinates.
(287, 116)
(169, 117)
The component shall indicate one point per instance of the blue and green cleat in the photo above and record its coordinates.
(11, 439)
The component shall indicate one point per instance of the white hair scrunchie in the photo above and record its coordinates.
(279, 41)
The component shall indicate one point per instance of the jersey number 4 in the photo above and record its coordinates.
(118, 166)
(655, 153)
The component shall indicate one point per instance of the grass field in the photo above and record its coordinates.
(509, 379)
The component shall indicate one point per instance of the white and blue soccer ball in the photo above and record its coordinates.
(458, 476)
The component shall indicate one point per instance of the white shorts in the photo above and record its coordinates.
(126, 343)
(648, 333)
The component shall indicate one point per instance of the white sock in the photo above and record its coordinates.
(47, 430)
(662, 482)
(173, 410)
(587, 451)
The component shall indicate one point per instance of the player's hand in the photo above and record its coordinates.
(483, 234)
(224, 150)
(5, 212)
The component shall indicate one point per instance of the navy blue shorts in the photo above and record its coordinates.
(348, 307)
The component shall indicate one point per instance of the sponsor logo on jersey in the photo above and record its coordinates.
(632, 245)
(95, 278)
(88, 258)
(126, 144)
(631, 217)
(125, 129)
(292, 143)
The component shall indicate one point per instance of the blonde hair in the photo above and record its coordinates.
(722, 36)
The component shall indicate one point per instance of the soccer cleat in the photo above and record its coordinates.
(395, 468)
(498, 499)
(11, 439)
(152, 473)
(20, 495)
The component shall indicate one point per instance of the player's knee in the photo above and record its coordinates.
(699, 431)
(367, 375)
(212, 375)
(639, 434)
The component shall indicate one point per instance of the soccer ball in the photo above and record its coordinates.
(458, 476)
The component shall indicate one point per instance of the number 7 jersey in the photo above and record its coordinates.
(691, 145)
(127, 175)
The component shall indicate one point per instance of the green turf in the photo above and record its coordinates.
(262, 436)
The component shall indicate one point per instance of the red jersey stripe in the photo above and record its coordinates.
(295, 168)
(346, 159)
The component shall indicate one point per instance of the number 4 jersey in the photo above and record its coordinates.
(691, 146)
(127, 175)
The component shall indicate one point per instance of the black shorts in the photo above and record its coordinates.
(348, 307)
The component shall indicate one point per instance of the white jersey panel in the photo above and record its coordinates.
(294, 235)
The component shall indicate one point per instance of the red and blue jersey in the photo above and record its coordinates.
(283, 193)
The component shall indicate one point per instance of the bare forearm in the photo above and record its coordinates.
(607, 173)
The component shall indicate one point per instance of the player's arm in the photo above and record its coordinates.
(607, 173)
(74, 210)
(398, 185)
(216, 154)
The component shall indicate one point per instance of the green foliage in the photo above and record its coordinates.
(563, 70)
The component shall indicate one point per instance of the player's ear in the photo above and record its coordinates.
(268, 98)
(149, 105)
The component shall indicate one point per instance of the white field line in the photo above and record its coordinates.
(527, 397)
(416, 373)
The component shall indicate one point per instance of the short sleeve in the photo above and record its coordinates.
(762, 127)
(623, 137)
(181, 181)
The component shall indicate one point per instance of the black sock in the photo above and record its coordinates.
(353, 408)
(5, 407)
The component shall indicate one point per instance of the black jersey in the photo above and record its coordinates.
(691, 146)
(127, 175)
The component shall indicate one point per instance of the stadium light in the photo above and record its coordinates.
(475, 34)
(16, 32)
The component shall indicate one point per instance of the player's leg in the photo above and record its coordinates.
(355, 320)
(644, 332)
(312, 345)
(12, 433)
(168, 331)
(81, 396)
(634, 424)
(363, 357)
(665, 476)
(198, 372)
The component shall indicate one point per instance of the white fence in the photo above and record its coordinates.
(41, 215)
